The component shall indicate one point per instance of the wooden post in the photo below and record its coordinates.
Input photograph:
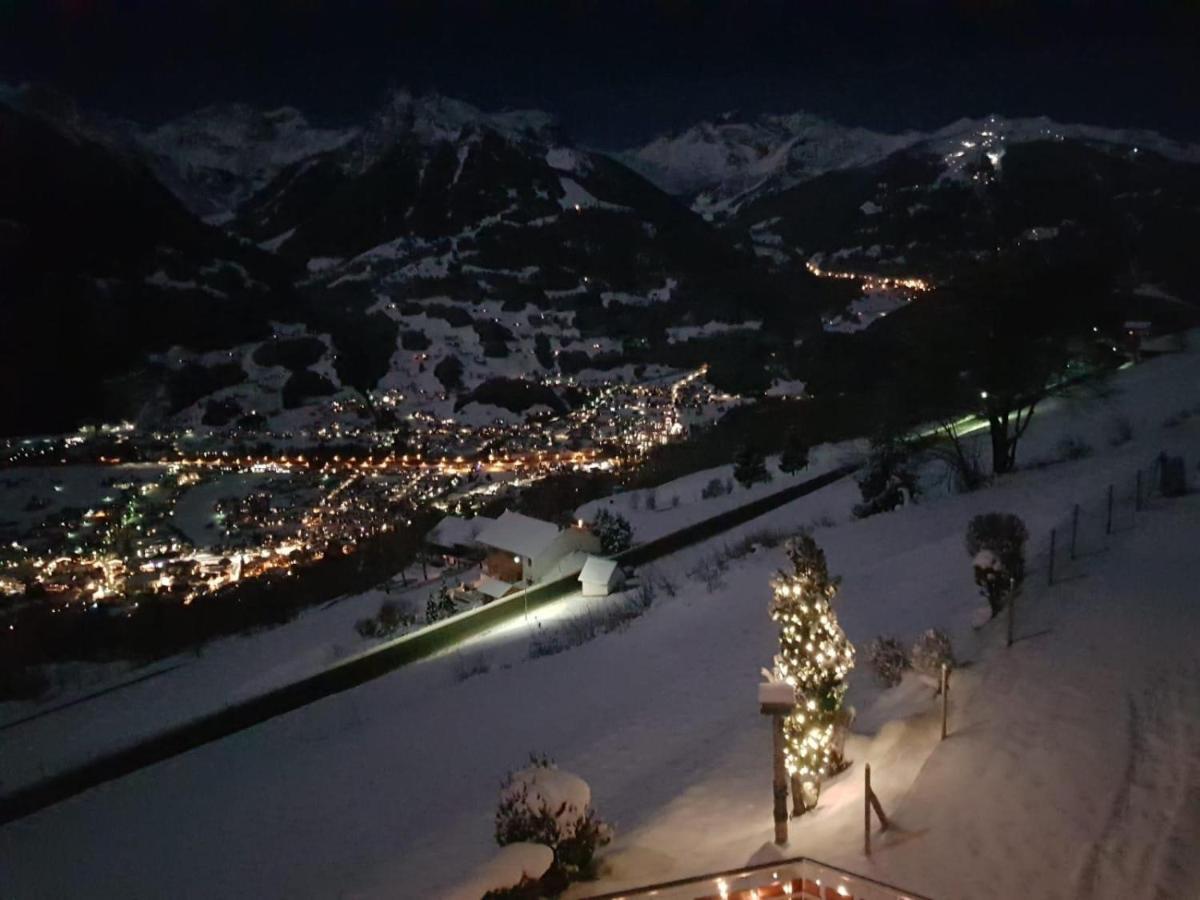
(945, 697)
(870, 801)
(867, 810)
(1012, 605)
(781, 782)
(1053, 536)
(1108, 521)
(1074, 528)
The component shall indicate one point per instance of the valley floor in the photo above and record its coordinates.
(1072, 769)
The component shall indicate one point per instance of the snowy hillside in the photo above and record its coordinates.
(388, 790)
(722, 165)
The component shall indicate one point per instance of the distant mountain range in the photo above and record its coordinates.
(723, 165)
(236, 267)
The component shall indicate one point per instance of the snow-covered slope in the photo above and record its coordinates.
(1071, 764)
(723, 164)
(432, 118)
(217, 157)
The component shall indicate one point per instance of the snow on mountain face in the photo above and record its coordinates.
(964, 144)
(432, 118)
(216, 157)
(723, 165)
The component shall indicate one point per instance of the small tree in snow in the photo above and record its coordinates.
(750, 466)
(931, 651)
(542, 804)
(613, 530)
(996, 545)
(888, 660)
(887, 480)
(795, 453)
(439, 606)
(814, 658)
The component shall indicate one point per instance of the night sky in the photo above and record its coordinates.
(617, 72)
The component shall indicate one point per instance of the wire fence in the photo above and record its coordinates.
(1088, 528)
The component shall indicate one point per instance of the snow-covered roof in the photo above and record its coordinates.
(519, 534)
(492, 587)
(597, 570)
(568, 565)
(455, 531)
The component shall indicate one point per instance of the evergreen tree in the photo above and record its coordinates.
(750, 466)
(614, 531)
(440, 606)
(795, 453)
(814, 658)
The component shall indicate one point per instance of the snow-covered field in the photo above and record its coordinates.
(1072, 769)
(190, 685)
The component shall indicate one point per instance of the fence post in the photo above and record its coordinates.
(1074, 528)
(1012, 604)
(1108, 520)
(867, 810)
(1053, 536)
(945, 697)
(1137, 493)
(780, 784)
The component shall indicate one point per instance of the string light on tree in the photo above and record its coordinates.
(814, 658)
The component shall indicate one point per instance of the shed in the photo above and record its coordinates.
(600, 577)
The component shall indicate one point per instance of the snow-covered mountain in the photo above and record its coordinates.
(216, 158)
(720, 166)
(432, 118)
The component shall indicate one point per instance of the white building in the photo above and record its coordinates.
(600, 577)
(524, 550)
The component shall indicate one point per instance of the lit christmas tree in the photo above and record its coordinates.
(814, 658)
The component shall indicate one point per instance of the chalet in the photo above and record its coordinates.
(455, 538)
(600, 577)
(522, 550)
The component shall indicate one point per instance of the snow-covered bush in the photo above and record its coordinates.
(710, 570)
(888, 660)
(931, 650)
(542, 804)
(996, 544)
(514, 873)
(390, 619)
(887, 480)
(439, 606)
(714, 488)
(613, 530)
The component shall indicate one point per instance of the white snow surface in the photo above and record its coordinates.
(724, 164)
(506, 869)
(1072, 767)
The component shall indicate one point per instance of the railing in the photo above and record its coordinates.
(800, 877)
